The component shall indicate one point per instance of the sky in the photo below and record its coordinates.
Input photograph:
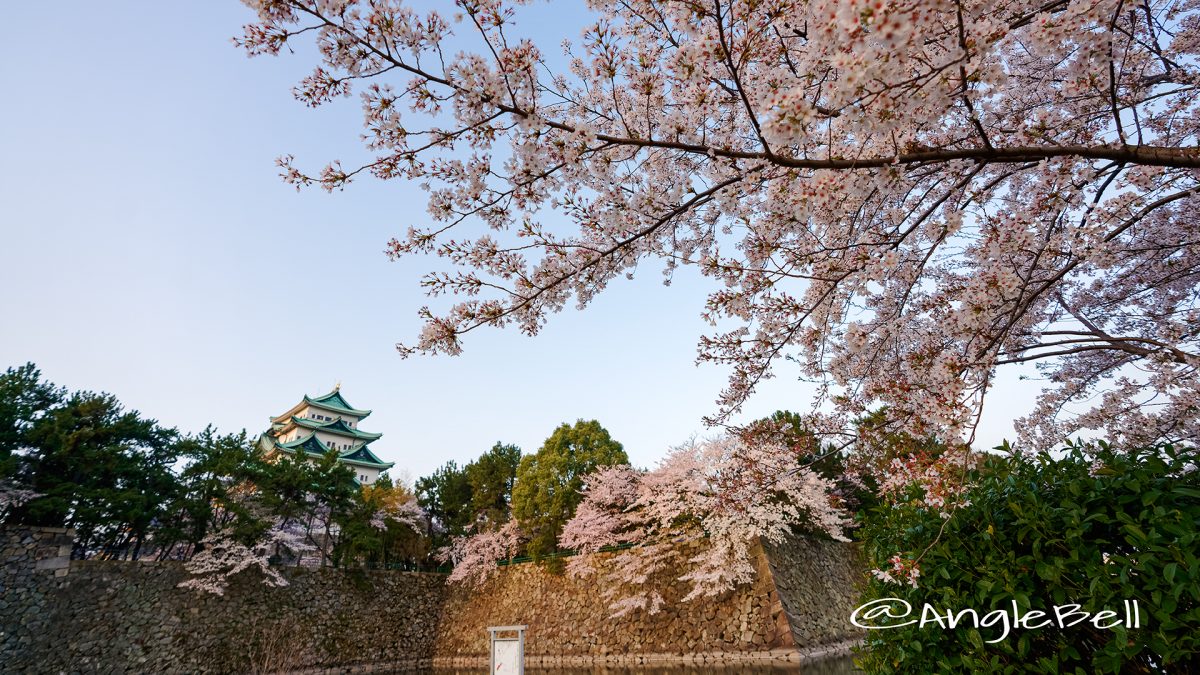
(148, 248)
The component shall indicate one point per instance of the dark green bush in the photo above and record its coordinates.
(1094, 527)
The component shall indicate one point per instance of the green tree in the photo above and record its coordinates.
(313, 492)
(464, 500)
(24, 399)
(878, 443)
(111, 475)
(446, 497)
(492, 478)
(102, 470)
(217, 466)
(549, 483)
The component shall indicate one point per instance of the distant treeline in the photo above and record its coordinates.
(132, 488)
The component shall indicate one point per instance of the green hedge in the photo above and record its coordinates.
(1094, 527)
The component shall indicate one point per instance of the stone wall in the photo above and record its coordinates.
(800, 602)
(58, 615)
(110, 616)
(818, 582)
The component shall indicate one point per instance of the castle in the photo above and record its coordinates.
(317, 425)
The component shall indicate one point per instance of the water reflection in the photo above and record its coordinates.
(839, 666)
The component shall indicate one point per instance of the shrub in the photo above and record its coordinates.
(1094, 527)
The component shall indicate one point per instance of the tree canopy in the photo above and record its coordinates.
(549, 483)
(902, 197)
(97, 468)
(474, 498)
(492, 477)
(446, 497)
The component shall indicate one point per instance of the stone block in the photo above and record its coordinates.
(55, 563)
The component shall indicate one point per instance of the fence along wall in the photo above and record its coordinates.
(111, 616)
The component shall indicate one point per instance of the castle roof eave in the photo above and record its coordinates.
(335, 401)
(311, 445)
(311, 402)
(362, 456)
(382, 466)
(335, 427)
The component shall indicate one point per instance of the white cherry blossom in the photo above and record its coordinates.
(903, 196)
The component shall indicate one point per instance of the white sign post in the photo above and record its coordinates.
(508, 650)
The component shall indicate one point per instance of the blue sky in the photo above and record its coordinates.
(150, 250)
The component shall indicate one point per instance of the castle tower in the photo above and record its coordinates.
(316, 425)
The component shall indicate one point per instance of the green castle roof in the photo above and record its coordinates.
(363, 455)
(335, 427)
(335, 401)
(312, 445)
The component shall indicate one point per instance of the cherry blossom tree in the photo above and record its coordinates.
(942, 479)
(225, 555)
(12, 496)
(475, 555)
(407, 513)
(601, 519)
(903, 196)
(696, 516)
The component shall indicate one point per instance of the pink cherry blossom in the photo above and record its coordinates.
(901, 196)
(224, 557)
(697, 516)
(12, 496)
(407, 513)
(475, 556)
